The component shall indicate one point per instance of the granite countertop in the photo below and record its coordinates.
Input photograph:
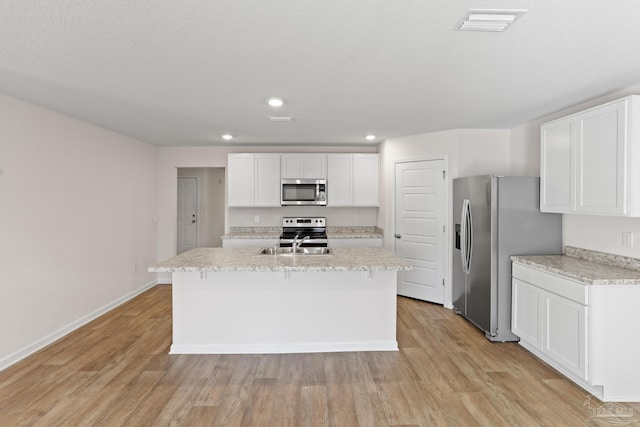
(258, 234)
(354, 233)
(588, 267)
(246, 259)
(332, 233)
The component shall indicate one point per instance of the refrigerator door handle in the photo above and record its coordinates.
(463, 236)
(469, 230)
(466, 236)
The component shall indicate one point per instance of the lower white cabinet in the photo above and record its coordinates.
(526, 319)
(581, 330)
(565, 334)
(549, 323)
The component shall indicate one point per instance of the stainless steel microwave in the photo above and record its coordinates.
(304, 192)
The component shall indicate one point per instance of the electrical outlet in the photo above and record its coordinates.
(135, 267)
(627, 239)
(256, 218)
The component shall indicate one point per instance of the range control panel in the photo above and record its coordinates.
(303, 222)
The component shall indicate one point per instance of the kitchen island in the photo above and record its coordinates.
(232, 300)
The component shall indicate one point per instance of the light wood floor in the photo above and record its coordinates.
(116, 371)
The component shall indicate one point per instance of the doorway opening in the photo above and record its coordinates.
(200, 215)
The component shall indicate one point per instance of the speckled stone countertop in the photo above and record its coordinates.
(332, 233)
(354, 233)
(588, 267)
(246, 259)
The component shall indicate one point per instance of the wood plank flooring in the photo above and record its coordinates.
(116, 371)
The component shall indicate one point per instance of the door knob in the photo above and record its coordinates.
(398, 236)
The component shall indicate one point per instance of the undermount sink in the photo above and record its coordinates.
(300, 251)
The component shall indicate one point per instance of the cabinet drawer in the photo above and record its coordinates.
(567, 288)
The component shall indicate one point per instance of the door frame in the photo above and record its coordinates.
(197, 207)
(447, 222)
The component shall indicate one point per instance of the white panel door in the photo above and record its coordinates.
(187, 230)
(419, 228)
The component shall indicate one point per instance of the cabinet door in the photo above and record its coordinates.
(527, 313)
(292, 166)
(600, 150)
(557, 167)
(267, 180)
(315, 166)
(339, 180)
(240, 180)
(565, 333)
(366, 171)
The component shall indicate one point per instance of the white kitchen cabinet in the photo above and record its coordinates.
(267, 182)
(527, 313)
(557, 172)
(241, 180)
(580, 329)
(549, 314)
(253, 180)
(340, 180)
(366, 171)
(565, 334)
(312, 166)
(587, 161)
(353, 179)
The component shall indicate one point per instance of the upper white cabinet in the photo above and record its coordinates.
(312, 166)
(253, 180)
(366, 179)
(587, 161)
(353, 179)
(340, 181)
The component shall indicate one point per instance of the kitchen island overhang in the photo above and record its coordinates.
(233, 301)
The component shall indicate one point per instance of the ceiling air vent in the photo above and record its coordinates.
(490, 19)
(281, 118)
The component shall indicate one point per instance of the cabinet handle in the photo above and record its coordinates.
(398, 236)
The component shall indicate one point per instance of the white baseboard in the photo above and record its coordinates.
(45, 341)
(329, 347)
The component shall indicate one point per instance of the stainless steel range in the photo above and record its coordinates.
(303, 232)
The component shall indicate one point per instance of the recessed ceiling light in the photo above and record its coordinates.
(281, 118)
(370, 137)
(490, 19)
(227, 137)
(275, 102)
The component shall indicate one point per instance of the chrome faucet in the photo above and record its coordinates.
(296, 243)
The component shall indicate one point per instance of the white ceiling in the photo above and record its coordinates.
(183, 72)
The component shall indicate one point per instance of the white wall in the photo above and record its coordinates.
(77, 204)
(599, 233)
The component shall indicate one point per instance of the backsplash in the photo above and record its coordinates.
(604, 258)
(272, 217)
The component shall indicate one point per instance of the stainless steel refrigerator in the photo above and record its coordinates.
(496, 217)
